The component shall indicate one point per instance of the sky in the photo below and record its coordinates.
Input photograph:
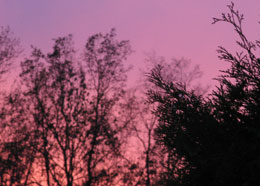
(170, 28)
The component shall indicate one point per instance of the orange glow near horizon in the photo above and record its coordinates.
(168, 28)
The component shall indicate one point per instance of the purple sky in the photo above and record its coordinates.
(171, 28)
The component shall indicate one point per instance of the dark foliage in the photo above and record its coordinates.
(67, 121)
(216, 140)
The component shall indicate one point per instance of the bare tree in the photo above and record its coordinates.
(15, 167)
(77, 120)
(9, 49)
(106, 76)
(54, 92)
(176, 70)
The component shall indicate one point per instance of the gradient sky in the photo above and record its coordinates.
(171, 28)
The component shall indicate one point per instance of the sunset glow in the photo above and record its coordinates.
(129, 92)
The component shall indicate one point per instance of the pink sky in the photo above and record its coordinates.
(171, 28)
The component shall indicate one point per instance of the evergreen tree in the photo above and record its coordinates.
(215, 140)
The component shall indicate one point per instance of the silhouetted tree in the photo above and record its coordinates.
(54, 100)
(106, 75)
(66, 126)
(17, 154)
(185, 129)
(215, 138)
(237, 106)
(9, 49)
(177, 70)
(15, 160)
